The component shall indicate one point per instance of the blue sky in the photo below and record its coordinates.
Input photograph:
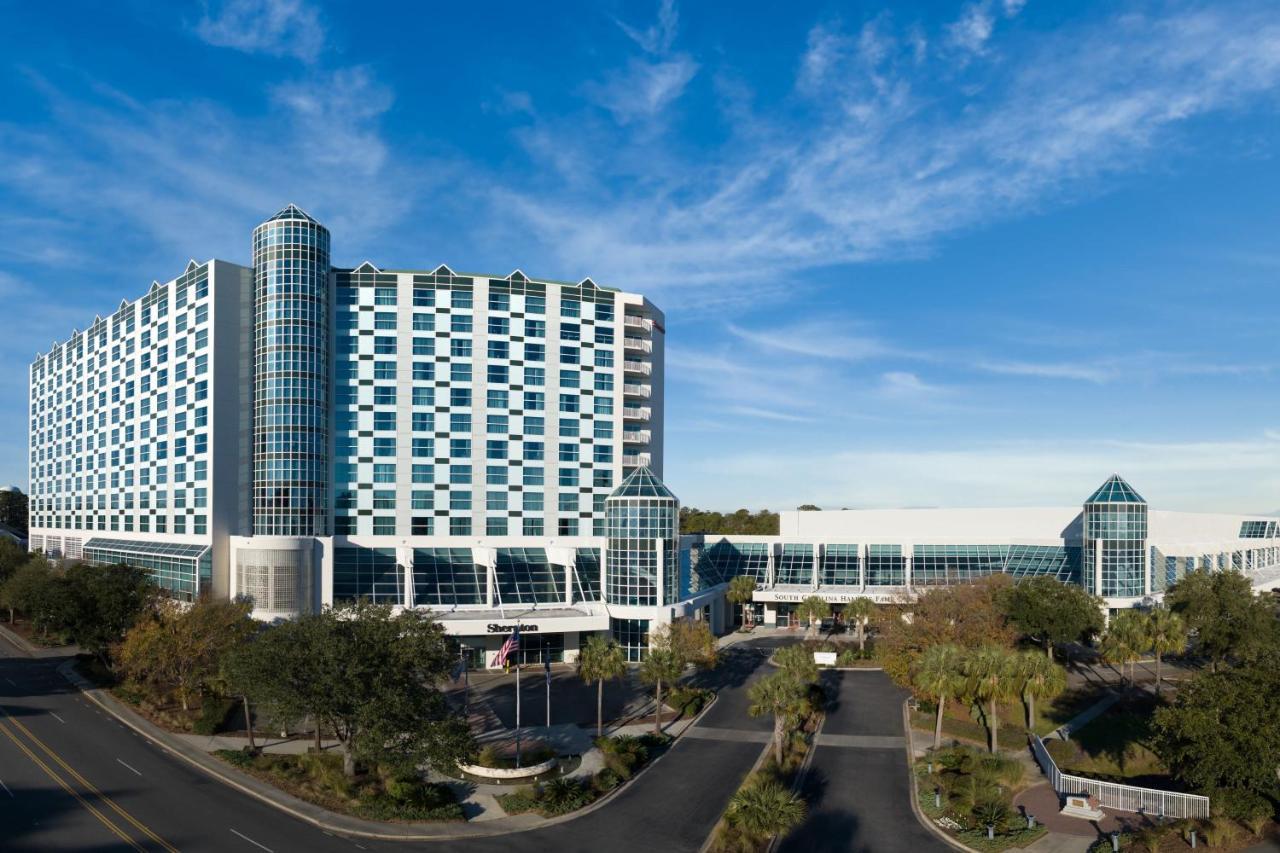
(974, 254)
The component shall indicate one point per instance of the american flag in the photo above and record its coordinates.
(512, 644)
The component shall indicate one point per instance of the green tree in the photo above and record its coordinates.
(1225, 618)
(182, 648)
(813, 610)
(860, 612)
(1041, 679)
(672, 649)
(797, 662)
(740, 523)
(938, 676)
(763, 809)
(370, 677)
(601, 660)
(1125, 640)
(783, 697)
(26, 589)
(991, 676)
(102, 602)
(742, 590)
(12, 556)
(1051, 612)
(808, 508)
(1221, 730)
(1166, 634)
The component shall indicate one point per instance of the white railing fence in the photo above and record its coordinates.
(1127, 798)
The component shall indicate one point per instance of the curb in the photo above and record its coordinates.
(228, 776)
(18, 641)
(921, 817)
(764, 756)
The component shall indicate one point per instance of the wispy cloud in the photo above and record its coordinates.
(896, 153)
(817, 339)
(645, 86)
(1224, 476)
(274, 27)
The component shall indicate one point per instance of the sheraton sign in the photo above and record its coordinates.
(495, 628)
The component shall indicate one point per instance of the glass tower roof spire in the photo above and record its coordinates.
(1115, 491)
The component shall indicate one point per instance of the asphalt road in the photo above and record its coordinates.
(75, 779)
(858, 783)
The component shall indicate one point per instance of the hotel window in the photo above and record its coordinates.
(424, 322)
(424, 297)
(535, 304)
(499, 326)
(460, 475)
(570, 308)
(569, 332)
(460, 448)
(460, 298)
(384, 296)
(460, 348)
(460, 323)
(499, 301)
(387, 320)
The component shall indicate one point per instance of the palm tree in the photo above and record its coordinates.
(1166, 634)
(742, 590)
(813, 609)
(797, 662)
(1125, 640)
(601, 660)
(937, 676)
(860, 611)
(1041, 679)
(990, 676)
(764, 809)
(782, 696)
(661, 666)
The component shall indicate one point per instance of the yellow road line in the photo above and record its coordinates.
(72, 791)
(141, 827)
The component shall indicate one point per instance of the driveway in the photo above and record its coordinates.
(858, 783)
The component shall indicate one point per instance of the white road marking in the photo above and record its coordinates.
(126, 765)
(251, 841)
(59, 719)
(6, 788)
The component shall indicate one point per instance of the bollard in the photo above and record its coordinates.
(930, 768)
(937, 798)
(991, 832)
(1193, 839)
(1031, 821)
(1115, 842)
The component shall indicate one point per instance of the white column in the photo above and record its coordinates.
(1097, 566)
(489, 580)
(660, 551)
(770, 575)
(568, 582)
(404, 556)
(864, 551)
(907, 554)
(813, 581)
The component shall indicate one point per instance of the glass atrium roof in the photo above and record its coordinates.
(292, 212)
(642, 483)
(149, 549)
(1115, 491)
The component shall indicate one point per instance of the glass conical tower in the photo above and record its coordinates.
(291, 376)
(1115, 541)
(642, 520)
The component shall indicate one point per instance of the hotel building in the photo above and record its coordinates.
(1114, 546)
(488, 447)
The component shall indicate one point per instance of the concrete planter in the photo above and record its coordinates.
(507, 773)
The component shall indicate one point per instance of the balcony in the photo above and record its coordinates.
(637, 344)
(635, 460)
(634, 322)
(636, 413)
(636, 389)
(635, 436)
(643, 368)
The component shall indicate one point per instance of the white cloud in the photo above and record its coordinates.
(904, 384)
(1049, 370)
(974, 27)
(658, 36)
(644, 89)
(1222, 475)
(895, 155)
(817, 339)
(336, 115)
(274, 27)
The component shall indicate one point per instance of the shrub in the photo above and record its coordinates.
(213, 713)
(1217, 832)
(489, 756)
(1152, 837)
(236, 757)
(993, 811)
(563, 795)
(624, 754)
(1249, 807)
(606, 780)
(519, 801)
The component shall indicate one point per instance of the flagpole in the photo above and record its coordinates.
(517, 712)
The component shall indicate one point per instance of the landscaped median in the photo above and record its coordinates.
(969, 796)
(767, 804)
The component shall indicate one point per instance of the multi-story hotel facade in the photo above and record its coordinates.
(486, 447)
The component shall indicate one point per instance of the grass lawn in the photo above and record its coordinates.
(1115, 746)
